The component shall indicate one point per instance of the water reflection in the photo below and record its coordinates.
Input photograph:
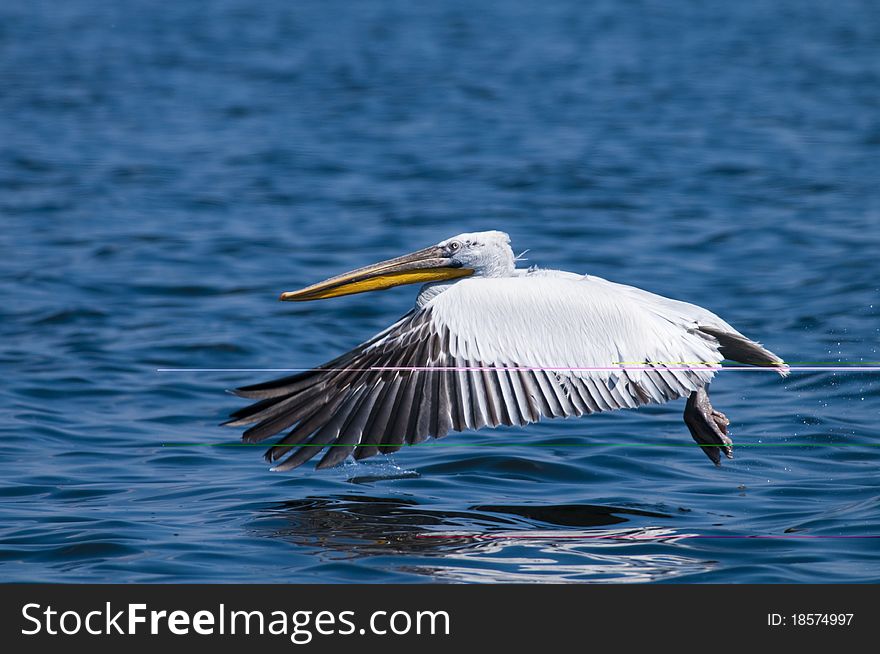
(494, 543)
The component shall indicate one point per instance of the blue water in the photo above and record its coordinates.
(167, 170)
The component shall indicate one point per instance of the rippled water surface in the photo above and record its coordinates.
(166, 171)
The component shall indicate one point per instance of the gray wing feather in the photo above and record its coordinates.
(357, 404)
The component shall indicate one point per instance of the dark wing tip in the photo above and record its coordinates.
(743, 350)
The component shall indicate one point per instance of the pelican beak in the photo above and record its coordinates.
(429, 265)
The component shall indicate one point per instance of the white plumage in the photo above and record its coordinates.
(501, 346)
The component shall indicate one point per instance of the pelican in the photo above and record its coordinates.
(491, 344)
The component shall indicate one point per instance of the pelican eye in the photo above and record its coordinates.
(455, 245)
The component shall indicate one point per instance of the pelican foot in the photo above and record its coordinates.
(708, 426)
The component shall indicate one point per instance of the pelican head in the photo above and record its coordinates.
(486, 254)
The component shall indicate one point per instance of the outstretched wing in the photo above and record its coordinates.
(485, 352)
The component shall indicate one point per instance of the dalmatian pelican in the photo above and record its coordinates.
(490, 344)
